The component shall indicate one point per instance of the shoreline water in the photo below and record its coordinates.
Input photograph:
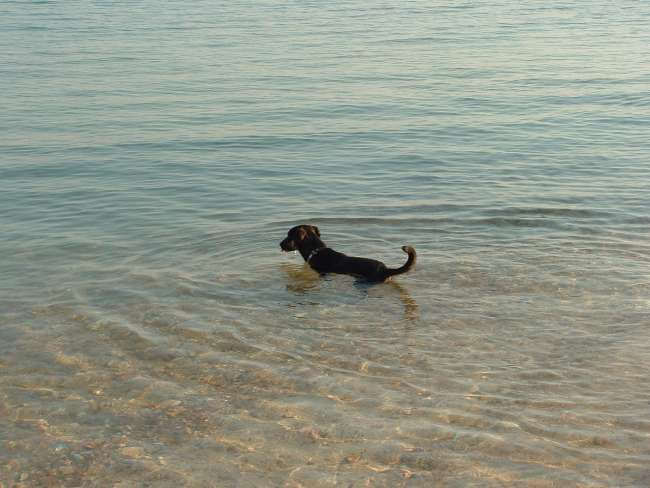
(152, 158)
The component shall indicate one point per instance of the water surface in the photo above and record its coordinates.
(152, 156)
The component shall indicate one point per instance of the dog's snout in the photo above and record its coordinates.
(287, 245)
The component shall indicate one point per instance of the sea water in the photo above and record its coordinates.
(154, 154)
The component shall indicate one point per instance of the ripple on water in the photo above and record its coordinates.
(151, 331)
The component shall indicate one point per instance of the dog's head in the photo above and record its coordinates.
(299, 235)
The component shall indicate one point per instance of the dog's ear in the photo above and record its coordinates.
(302, 234)
(315, 229)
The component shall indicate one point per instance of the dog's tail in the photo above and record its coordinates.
(407, 265)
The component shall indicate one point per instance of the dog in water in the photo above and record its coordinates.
(306, 240)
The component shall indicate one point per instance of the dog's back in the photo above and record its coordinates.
(330, 261)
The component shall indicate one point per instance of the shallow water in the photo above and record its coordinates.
(153, 156)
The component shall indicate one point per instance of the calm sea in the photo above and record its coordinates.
(152, 156)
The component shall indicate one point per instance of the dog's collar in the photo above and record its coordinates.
(313, 253)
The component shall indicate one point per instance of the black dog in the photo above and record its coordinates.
(306, 240)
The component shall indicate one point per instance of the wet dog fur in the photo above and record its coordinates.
(306, 240)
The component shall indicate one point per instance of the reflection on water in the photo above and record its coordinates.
(410, 305)
(302, 280)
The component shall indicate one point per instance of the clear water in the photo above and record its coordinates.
(153, 155)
